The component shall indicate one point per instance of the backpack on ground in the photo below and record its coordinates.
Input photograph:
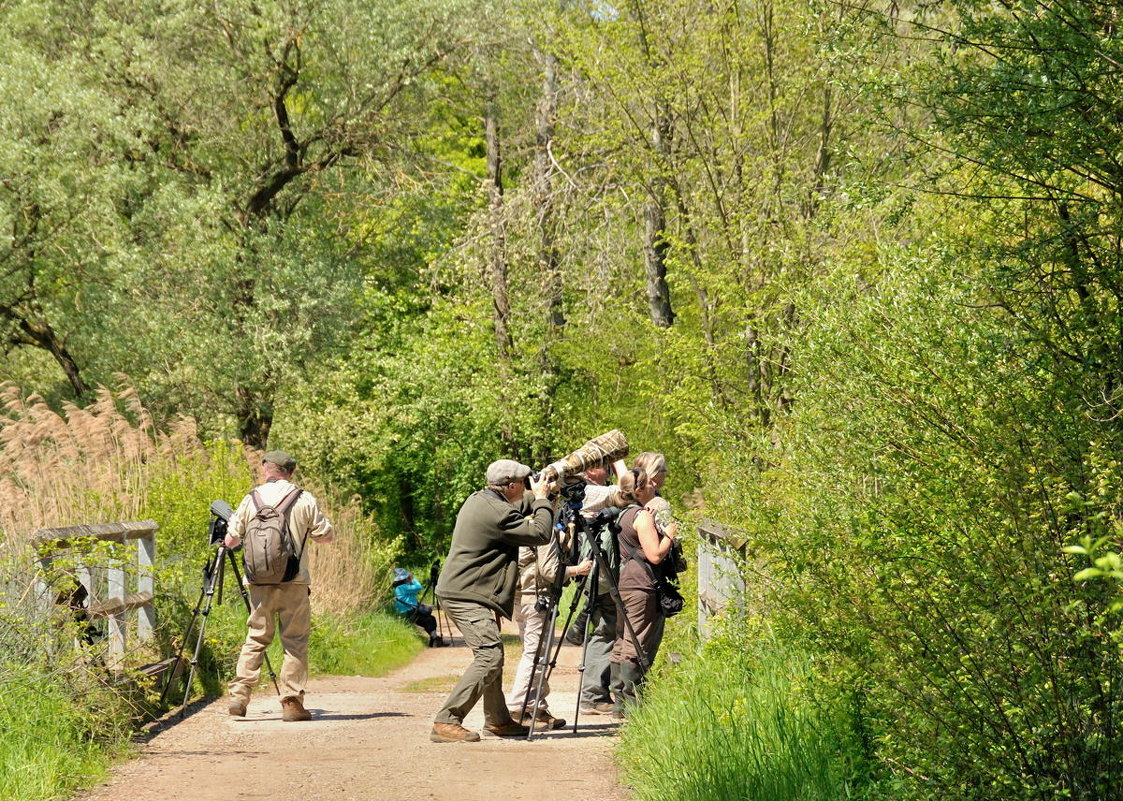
(270, 554)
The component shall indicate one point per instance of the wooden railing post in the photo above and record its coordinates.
(146, 584)
(117, 601)
(721, 556)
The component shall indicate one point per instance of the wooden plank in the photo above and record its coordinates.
(145, 583)
(112, 532)
(158, 669)
(116, 605)
(115, 574)
(711, 601)
(720, 534)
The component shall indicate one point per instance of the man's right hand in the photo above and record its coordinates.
(541, 489)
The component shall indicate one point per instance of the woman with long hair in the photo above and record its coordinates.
(641, 545)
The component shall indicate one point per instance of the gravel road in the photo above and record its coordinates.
(369, 739)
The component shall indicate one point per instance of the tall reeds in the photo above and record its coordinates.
(108, 462)
(80, 465)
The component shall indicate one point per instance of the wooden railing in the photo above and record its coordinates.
(106, 592)
(721, 557)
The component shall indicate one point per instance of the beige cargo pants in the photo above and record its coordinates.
(288, 606)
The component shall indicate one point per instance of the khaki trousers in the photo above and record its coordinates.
(596, 679)
(532, 625)
(484, 677)
(288, 604)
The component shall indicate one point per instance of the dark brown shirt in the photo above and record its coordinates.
(635, 572)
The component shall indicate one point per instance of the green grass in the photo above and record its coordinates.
(371, 645)
(433, 684)
(724, 727)
(50, 743)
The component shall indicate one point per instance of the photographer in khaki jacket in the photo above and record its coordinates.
(538, 579)
(287, 602)
(477, 586)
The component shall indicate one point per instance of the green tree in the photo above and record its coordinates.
(65, 160)
(247, 117)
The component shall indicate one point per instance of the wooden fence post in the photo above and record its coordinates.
(117, 601)
(721, 556)
(146, 585)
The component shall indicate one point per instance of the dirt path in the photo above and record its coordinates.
(369, 739)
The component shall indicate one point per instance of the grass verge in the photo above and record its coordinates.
(725, 725)
(369, 645)
(53, 742)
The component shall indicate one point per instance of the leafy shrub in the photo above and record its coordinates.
(915, 527)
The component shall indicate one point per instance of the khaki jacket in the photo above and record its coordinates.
(539, 566)
(305, 517)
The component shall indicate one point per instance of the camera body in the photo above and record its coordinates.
(220, 520)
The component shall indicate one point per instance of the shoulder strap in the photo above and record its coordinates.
(287, 501)
(632, 549)
(650, 568)
(284, 506)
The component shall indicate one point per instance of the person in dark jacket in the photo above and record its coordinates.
(477, 586)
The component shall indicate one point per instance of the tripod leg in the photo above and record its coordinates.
(211, 574)
(445, 627)
(442, 624)
(535, 667)
(545, 644)
(592, 587)
(246, 601)
(599, 558)
(207, 570)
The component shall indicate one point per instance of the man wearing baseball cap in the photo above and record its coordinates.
(477, 586)
(285, 602)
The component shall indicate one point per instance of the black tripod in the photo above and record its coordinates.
(550, 644)
(434, 575)
(546, 640)
(213, 573)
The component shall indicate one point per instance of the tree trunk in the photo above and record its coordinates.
(543, 192)
(255, 417)
(655, 244)
(499, 290)
(43, 335)
(500, 297)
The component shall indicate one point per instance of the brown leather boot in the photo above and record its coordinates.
(292, 708)
(507, 728)
(452, 733)
(543, 722)
(236, 708)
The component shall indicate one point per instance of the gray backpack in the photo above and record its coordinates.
(270, 554)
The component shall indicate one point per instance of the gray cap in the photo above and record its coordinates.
(505, 471)
(281, 459)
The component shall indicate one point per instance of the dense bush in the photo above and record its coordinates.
(934, 476)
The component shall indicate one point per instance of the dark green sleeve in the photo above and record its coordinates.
(519, 529)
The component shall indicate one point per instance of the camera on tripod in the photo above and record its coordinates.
(574, 493)
(220, 520)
